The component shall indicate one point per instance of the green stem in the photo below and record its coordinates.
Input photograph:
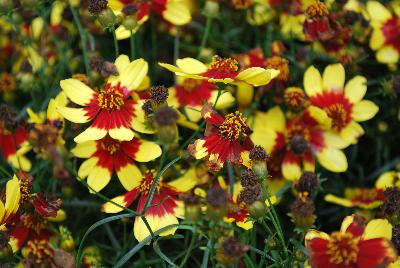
(116, 47)
(82, 34)
(205, 35)
(189, 250)
(133, 45)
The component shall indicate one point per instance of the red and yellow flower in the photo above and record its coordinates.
(355, 245)
(11, 205)
(190, 94)
(342, 102)
(14, 146)
(108, 155)
(225, 70)
(226, 139)
(385, 38)
(364, 198)
(295, 141)
(165, 207)
(110, 110)
(175, 12)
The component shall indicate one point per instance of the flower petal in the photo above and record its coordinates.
(388, 55)
(91, 133)
(122, 134)
(334, 140)
(332, 159)
(177, 12)
(352, 132)
(312, 81)
(377, 11)
(184, 183)
(147, 151)
(333, 77)
(75, 115)
(338, 200)
(191, 66)
(257, 76)
(133, 74)
(129, 176)
(122, 200)
(84, 149)
(377, 39)
(378, 228)
(87, 166)
(98, 178)
(77, 91)
(364, 110)
(355, 89)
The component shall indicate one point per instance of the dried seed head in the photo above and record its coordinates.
(147, 107)
(308, 182)
(97, 6)
(391, 204)
(298, 144)
(129, 9)
(250, 194)
(258, 154)
(159, 94)
(217, 197)
(248, 178)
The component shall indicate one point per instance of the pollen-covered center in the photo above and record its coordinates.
(110, 145)
(110, 99)
(147, 181)
(339, 115)
(317, 9)
(233, 127)
(223, 65)
(343, 248)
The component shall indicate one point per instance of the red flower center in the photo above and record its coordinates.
(233, 127)
(147, 182)
(110, 145)
(110, 99)
(343, 248)
(339, 115)
(222, 68)
(191, 84)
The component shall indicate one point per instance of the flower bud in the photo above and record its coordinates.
(129, 23)
(107, 18)
(167, 130)
(258, 158)
(192, 207)
(230, 251)
(258, 210)
(211, 9)
(300, 256)
(217, 200)
(271, 243)
(308, 182)
(67, 241)
(302, 213)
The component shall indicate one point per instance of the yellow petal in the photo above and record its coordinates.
(247, 225)
(76, 115)
(2, 213)
(37, 27)
(291, 171)
(177, 12)
(122, 33)
(387, 179)
(60, 216)
(338, 200)
(77, 91)
(364, 110)
(320, 116)
(346, 223)
(184, 183)
(84, 149)
(87, 166)
(334, 140)
(264, 137)
(225, 100)
(312, 81)
(147, 151)
(355, 89)
(332, 159)
(140, 230)
(122, 63)
(333, 77)
(98, 178)
(172, 68)
(20, 162)
(111, 208)
(34, 117)
(13, 195)
(191, 66)
(129, 176)
(387, 55)
(56, 15)
(34, 59)
(122, 134)
(315, 234)
(166, 220)
(352, 132)
(200, 150)
(378, 228)
(140, 122)
(377, 11)
(257, 76)
(377, 39)
(133, 74)
(91, 133)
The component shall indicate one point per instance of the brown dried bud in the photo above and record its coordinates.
(8, 117)
(108, 68)
(96, 63)
(308, 182)
(4, 238)
(231, 251)
(391, 204)
(302, 212)
(129, 9)
(217, 197)
(396, 237)
(147, 108)
(159, 94)
(298, 144)
(97, 6)
(258, 154)
(248, 178)
(250, 194)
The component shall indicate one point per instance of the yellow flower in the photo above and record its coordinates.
(342, 102)
(225, 70)
(13, 195)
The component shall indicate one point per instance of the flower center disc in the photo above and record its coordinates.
(343, 248)
(339, 115)
(224, 65)
(111, 146)
(147, 182)
(191, 84)
(110, 99)
(233, 127)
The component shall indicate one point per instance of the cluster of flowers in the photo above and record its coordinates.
(229, 141)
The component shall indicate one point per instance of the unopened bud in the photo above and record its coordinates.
(258, 210)
(107, 18)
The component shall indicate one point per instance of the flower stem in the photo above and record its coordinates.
(116, 47)
(205, 34)
(132, 40)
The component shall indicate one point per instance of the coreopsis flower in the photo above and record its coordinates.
(225, 70)
(108, 155)
(110, 110)
(364, 198)
(11, 205)
(226, 139)
(318, 25)
(342, 102)
(190, 94)
(295, 141)
(175, 12)
(355, 245)
(385, 38)
(165, 207)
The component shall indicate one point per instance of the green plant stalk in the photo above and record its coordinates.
(116, 46)
(82, 34)
(190, 248)
(205, 34)
(133, 45)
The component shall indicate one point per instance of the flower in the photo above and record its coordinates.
(293, 143)
(108, 155)
(13, 196)
(225, 70)
(385, 38)
(363, 198)
(342, 102)
(175, 12)
(164, 208)
(355, 245)
(190, 94)
(110, 109)
(226, 139)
